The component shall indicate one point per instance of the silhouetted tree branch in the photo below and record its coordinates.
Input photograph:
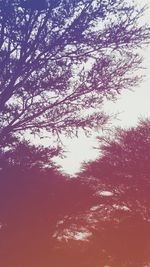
(45, 45)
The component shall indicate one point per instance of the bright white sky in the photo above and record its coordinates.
(130, 105)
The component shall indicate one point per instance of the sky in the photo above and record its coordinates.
(130, 106)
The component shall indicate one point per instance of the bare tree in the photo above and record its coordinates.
(45, 45)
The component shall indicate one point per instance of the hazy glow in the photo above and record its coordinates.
(105, 193)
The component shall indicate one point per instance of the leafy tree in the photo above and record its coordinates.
(45, 45)
(32, 203)
(129, 151)
(123, 169)
(124, 164)
(46, 214)
(23, 156)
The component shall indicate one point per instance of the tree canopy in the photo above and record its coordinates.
(101, 217)
(127, 153)
(120, 178)
(24, 157)
(44, 50)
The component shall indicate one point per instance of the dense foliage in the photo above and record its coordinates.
(24, 156)
(100, 218)
(121, 176)
(128, 153)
